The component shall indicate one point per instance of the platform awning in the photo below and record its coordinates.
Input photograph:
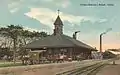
(38, 51)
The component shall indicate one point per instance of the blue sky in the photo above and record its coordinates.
(90, 20)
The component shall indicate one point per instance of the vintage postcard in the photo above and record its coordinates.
(59, 37)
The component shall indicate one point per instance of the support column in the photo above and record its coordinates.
(101, 43)
(71, 51)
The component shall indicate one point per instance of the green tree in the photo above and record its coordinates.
(12, 32)
(20, 38)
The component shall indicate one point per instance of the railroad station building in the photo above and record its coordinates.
(58, 43)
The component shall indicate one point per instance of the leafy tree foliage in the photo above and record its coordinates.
(19, 38)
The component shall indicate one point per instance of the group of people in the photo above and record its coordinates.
(59, 58)
(56, 58)
(97, 55)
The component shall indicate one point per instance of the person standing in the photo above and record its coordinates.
(61, 58)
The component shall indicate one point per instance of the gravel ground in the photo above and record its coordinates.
(110, 69)
(43, 69)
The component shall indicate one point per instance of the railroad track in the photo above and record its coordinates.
(87, 70)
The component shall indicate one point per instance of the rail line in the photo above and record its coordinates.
(87, 70)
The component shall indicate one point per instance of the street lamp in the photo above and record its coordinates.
(75, 33)
(101, 38)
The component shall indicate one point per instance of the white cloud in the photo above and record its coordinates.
(14, 5)
(66, 3)
(34, 29)
(14, 10)
(63, 3)
(31, 29)
(102, 20)
(45, 16)
(48, 0)
(118, 34)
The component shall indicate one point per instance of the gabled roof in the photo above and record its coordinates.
(54, 41)
(58, 21)
(115, 52)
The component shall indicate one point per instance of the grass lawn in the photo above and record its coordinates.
(9, 64)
